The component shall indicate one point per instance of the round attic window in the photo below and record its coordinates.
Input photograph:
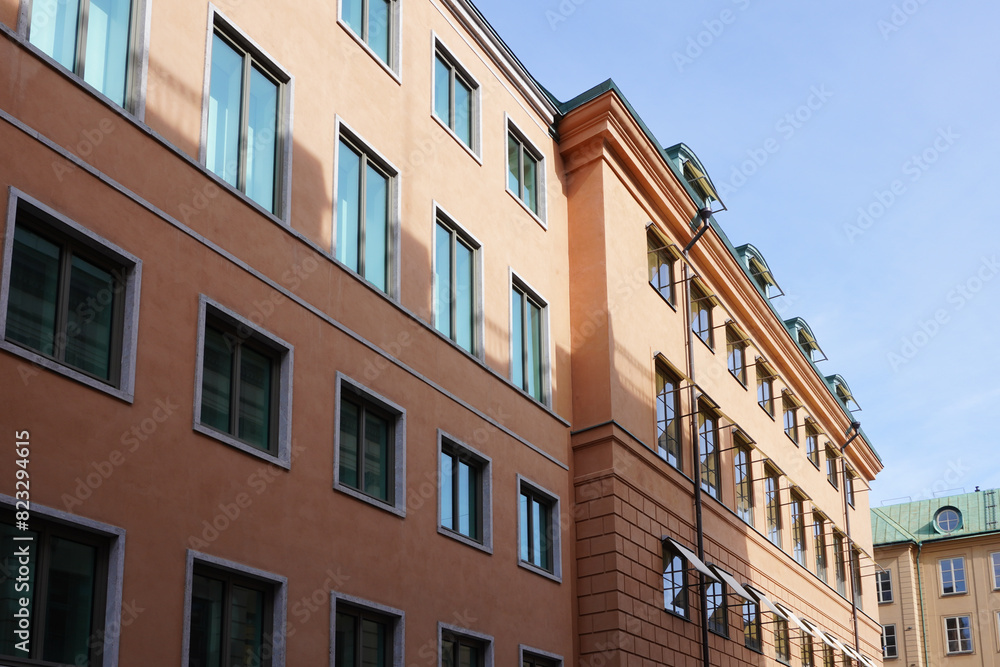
(947, 520)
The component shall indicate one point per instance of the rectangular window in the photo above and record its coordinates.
(849, 486)
(231, 619)
(828, 659)
(751, 626)
(831, 466)
(717, 614)
(455, 284)
(375, 23)
(856, 582)
(675, 584)
(790, 415)
(806, 648)
(889, 648)
(819, 544)
(366, 195)
(528, 341)
(461, 651)
(661, 266)
(538, 523)
(71, 300)
(365, 636)
(883, 586)
(772, 505)
(456, 98)
(798, 530)
(812, 444)
(465, 483)
(530, 659)
(995, 562)
(840, 565)
(246, 119)
(525, 171)
(736, 348)
(701, 314)
(782, 647)
(708, 436)
(668, 423)
(765, 389)
(743, 475)
(65, 584)
(953, 576)
(91, 38)
(958, 630)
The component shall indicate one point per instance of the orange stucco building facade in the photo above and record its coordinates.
(328, 336)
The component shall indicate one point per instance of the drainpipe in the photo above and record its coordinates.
(856, 428)
(704, 214)
(923, 621)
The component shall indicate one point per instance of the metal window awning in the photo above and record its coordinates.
(734, 586)
(795, 620)
(691, 558)
(765, 602)
(810, 628)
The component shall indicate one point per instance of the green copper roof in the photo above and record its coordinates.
(914, 522)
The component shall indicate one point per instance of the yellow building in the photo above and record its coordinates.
(938, 580)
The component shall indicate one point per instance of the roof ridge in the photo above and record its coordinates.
(889, 520)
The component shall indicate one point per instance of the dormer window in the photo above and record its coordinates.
(805, 339)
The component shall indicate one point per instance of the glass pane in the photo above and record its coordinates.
(447, 653)
(9, 594)
(463, 112)
(534, 356)
(514, 164)
(206, 622)
(466, 499)
(442, 280)
(376, 228)
(378, 28)
(350, 428)
(351, 13)
(377, 459)
(442, 90)
(54, 29)
(523, 524)
(517, 338)
(224, 102)
(373, 643)
(216, 381)
(346, 638)
(465, 297)
(69, 601)
(90, 318)
(537, 535)
(530, 182)
(262, 139)
(255, 398)
(468, 656)
(348, 206)
(108, 25)
(447, 485)
(34, 285)
(246, 627)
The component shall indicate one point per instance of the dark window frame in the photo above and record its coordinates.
(701, 314)
(752, 627)
(457, 72)
(230, 579)
(460, 236)
(674, 566)
(736, 355)
(658, 257)
(743, 481)
(710, 461)
(462, 453)
(890, 650)
(526, 147)
(668, 431)
(717, 608)
(549, 504)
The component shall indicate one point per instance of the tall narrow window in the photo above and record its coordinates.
(798, 530)
(661, 266)
(455, 98)
(958, 630)
(819, 544)
(806, 650)
(527, 342)
(856, 583)
(374, 22)
(539, 530)
(744, 482)
(831, 466)
(365, 191)
(889, 648)
(363, 637)
(524, 172)
(839, 558)
(782, 647)
(231, 619)
(244, 132)
(812, 444)
(708, 438)
(455, 284)
(91, 38)
(462, 491)
(995, 562)
(736, 348)
(849, 478)
(765, 388)
(790, 415)
(883, 586)
(668, 441)
(701, 314)
(751, 626)
(772, 505)
(717, 611)
(675, 589)
(63, 583)
(953, 576)
(828, 659)
(370, 448)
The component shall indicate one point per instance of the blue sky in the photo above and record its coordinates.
(855, 144)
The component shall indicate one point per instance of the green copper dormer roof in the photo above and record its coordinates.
(916, 521)
(760, 272)
(804, 338)
(838, 385)
(694, 172)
